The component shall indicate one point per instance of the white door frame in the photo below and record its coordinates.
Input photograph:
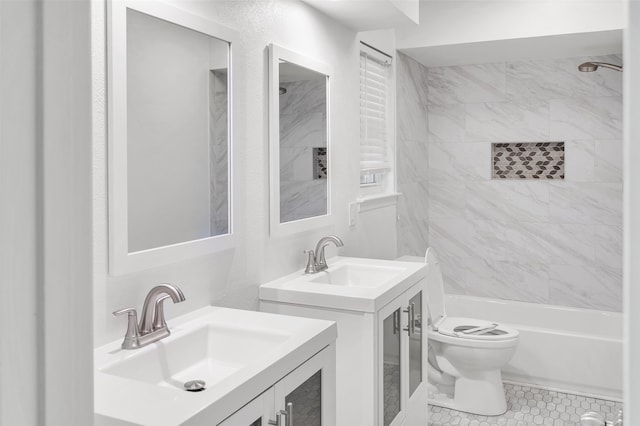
(632, 214)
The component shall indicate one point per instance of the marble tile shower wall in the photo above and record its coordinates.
(302, 128)
(412, 156)
(218, 135)
(556, 242)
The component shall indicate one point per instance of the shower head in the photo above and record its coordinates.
(592, 66)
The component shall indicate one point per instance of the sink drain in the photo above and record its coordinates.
(195, 385)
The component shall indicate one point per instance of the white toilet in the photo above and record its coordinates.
(468, 353)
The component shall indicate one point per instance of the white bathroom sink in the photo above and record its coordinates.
(236, 353)
(350, 283)
(211, 353)
(358, 275)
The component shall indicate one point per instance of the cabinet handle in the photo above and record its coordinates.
(288, 415)
(412, 324)
(411, 315)
(396, 321)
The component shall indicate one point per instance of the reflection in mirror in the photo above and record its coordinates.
(303, 142)
(177, 133)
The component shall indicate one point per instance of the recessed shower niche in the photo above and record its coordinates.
(527, 160)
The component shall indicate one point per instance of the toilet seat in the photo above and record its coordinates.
(457, 327)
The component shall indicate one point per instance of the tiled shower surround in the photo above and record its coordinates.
(554, 241)
(302, 130)
(218, 135)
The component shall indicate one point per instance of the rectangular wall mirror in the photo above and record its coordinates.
(170, 133)
(299, 148)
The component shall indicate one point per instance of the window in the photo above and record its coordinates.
(376, 148)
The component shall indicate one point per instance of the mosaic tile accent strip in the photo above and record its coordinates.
(319, 163)
(528, 160)
(529, 406)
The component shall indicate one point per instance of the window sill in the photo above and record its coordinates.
(377, 201)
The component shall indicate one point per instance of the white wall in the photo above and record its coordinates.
(231, 278)
(66, 352)
(631, 215)
(45, 232)
(19, 367)
(445, 22)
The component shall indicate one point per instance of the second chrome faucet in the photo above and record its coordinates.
(316, 261)
(153, 326)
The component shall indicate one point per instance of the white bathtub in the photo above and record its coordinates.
(567, 349)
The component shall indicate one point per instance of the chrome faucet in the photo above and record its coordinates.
(153, 326)
(316, 261)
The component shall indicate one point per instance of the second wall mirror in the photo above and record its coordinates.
(299, 142)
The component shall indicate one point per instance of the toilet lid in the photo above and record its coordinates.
(460, 327)
(435, 288)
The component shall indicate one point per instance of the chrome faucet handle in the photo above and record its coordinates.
(132, 336)
(158, 316)
(321, 262)
(311, 262)
(149, 305)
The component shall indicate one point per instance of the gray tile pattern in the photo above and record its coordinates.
(319, 163)
(528, 160)
(541, 231)
(530, 406)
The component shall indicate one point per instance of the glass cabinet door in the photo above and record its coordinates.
(391, 367)
(415, 345)
(306, 402)
(306, 396)
(415, 342)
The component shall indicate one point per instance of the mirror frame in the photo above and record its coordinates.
(277, 53)
(120, 260)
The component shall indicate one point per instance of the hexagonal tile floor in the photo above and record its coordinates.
(528, 406)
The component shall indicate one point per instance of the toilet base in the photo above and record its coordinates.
(481, 393)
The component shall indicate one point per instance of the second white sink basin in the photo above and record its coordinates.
(350, 274)
(350, 283)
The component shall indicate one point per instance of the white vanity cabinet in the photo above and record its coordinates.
(401, 354)
(304, 397)
(253, 365)
(380, 351)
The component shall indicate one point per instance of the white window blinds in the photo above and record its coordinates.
(374, 107)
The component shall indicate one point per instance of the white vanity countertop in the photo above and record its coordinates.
(122, 400)
(372, 284)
